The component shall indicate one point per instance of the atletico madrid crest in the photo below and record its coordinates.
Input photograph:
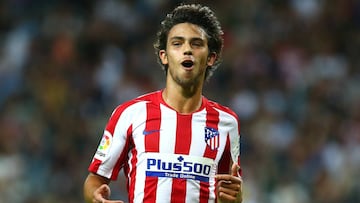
(212, 138)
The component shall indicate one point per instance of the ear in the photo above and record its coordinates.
(211, 59)
(163, 57)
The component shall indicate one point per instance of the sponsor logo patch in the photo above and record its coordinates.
(179, 166)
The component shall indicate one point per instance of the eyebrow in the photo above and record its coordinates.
(183, 38)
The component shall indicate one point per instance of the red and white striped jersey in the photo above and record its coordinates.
(168, 156)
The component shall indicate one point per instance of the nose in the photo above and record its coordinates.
(187, 49)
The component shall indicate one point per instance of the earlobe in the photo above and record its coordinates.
(163, 57)
(211, 59)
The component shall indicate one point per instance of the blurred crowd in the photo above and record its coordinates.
(290, 71)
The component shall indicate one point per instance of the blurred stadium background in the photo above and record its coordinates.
(290, 70)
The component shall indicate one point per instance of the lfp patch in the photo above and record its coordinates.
(104, 146)
(212, 138)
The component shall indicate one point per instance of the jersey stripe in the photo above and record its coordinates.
(167, 146)
(212, 121)
(198, 123)
(151, 136)
(94, 165)
(182, 146)
(136, 151)
(132, 175)
(234, 141)
(224, 162)
(123, 155)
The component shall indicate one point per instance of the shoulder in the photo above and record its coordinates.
(222, 108)
(149, 97)
(137, 102)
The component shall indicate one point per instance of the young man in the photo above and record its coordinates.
(174, 144)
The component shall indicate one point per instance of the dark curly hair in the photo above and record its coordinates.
(198, 15)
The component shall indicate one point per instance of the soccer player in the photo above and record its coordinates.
(174, 144)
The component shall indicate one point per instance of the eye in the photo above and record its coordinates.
(176, 43)
(197, 43)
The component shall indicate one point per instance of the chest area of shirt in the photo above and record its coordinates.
(180, 134)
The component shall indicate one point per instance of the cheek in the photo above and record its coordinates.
(170, 57)
(205, 61)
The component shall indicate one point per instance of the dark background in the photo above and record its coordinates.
(290, 70)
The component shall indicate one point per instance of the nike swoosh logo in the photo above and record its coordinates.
(148, 132)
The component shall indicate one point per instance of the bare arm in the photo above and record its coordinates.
(92, 183)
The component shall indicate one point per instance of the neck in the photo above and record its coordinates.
(183, 101)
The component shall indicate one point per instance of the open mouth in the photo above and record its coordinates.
(187, 63)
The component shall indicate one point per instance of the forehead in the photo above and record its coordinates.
(187, 30)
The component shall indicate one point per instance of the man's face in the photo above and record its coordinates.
(187, 55)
